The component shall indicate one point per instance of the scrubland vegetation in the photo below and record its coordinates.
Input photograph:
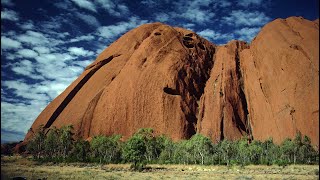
(154, 154)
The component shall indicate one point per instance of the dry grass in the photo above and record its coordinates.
(18, 166)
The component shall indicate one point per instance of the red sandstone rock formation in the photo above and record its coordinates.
(174, 81)
(281, 75)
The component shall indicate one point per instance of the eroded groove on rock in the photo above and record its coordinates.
(243, 99)
(87, 117)
(193, 77)
(222, 125)
(93, 68)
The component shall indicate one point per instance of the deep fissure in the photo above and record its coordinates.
(241, 125)
(197, 70)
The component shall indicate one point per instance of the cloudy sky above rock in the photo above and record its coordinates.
(45, 45)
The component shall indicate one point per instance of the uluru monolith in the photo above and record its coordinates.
(178, 83)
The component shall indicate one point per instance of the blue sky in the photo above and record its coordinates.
(45, 45)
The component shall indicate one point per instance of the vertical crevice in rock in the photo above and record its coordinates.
(192, 79)
(93, 68)
(222, 99)
(222, 126)
(246, 126)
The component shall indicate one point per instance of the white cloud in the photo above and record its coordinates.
(33, 38)
(8, 136)
(8, 43)
(113, 31)
(198, 15)
(29, 25)
(51, 25)
(162, 17)
(189, 26)
(26, 68)
(27, 53)
(85, 4)
(82, 38)
(65, 5)
(54, 58)
(197, 11)
(215, 36)
(18, 117)
(88, 19)
(246, 3)
(79, 51)
(9, 15)
(42, 49)
(38, 82)
(123, 9)
(246, 18)
(83, 63)
(247, 34)
(113, 8)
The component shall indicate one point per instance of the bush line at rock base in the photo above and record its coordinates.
(58, 145)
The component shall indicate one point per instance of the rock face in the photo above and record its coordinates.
(172, 80)
(281, 75)
(152, 76)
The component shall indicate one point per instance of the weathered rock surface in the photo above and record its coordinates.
(223, 107)
(152, 76)
(281, 79)
(177, 83)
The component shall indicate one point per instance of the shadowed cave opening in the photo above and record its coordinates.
(201, 46)
(187, 38)
(170, 91)
(188, 44)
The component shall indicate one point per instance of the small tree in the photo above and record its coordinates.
(107, 149)
(150, 143)
(182, 152)
(80, 150)
(270, 152)
(227, 151)
(306, 152)
(243, 153)
(134, 151)
(36, 144)
(255, 152)
(201, 147)
(66, 140)
(51, 143)
(287, 149)
(167, 149)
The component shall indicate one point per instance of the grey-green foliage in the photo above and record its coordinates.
(200, 147)
(66, 140)
(228, 151)
(167, 149)
(36, 145)
(52, 143)
(80, 150)
(134, 150)
(144, 147)
(106, 149)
